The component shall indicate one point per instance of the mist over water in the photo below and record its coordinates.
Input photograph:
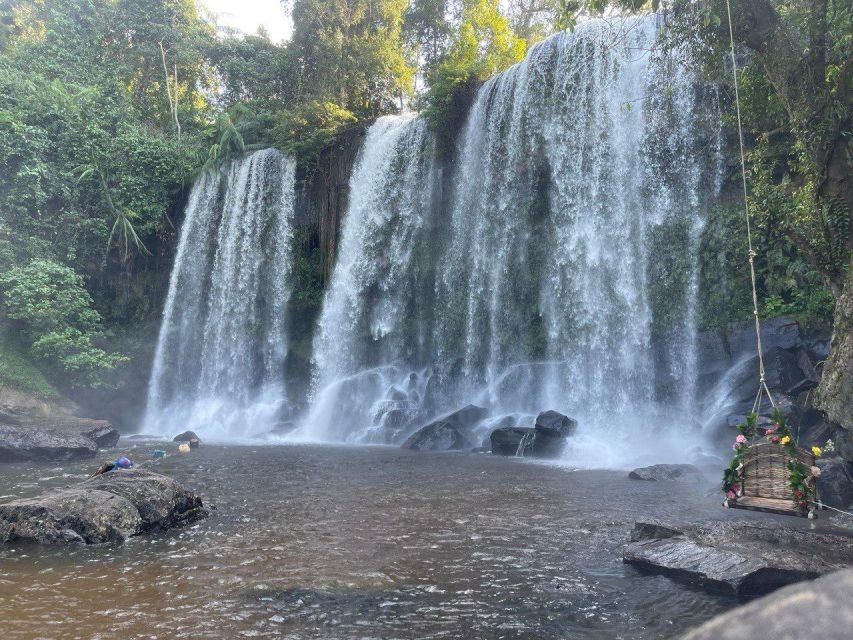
(220, 355)
(560, 270)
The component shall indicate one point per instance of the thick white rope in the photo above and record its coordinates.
(762, 384)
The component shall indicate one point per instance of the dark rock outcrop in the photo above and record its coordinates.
(835, 482)
(791, 357)
(451, 432)
(109, 507)
(741, 558)
(29, 444)
(667, 472)
(552, 431)
(505, 441)
(53, 424)
(816, 609)
(186, 436)
(103, 433)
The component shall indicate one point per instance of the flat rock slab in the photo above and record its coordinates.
(20, 443)
(817, 609)
(110, 507)
(740, 558)
(667, 473)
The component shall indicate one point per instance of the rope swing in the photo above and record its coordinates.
(762, 382)
(774, 476)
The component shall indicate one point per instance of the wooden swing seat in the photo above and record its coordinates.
(765, 483)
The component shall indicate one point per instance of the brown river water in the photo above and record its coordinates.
(368, 542)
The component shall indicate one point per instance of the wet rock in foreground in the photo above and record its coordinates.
(818, 609)
(110, 507)
(741, 558)
(667, 472)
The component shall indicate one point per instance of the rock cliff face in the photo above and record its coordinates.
(835, 393)
(728, 375)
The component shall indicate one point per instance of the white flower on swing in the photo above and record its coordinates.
(816, 472)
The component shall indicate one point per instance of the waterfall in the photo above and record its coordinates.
(220, 355)
(558, 272)
(376, 309)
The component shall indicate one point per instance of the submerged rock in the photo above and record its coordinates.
(552, 431)
(109, 507)
(667, 472)
(451, 432)
(816, 609)
(505, 441)
(740, 558)
(30, 444)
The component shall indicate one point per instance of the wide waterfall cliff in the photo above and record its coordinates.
(219, 364)
(537, 270)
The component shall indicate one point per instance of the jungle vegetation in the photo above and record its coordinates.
(110, 108)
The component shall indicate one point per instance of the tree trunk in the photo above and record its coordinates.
(835, 391)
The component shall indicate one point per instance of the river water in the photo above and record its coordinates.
(362, 542)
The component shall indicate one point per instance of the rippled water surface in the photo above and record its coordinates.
(332, 542)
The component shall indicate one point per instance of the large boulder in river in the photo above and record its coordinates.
(667, 472)
(740, 558)
(30, 444)
(187, 436)
(816, 609)
(451, 432)
(505, 441)
(552, 431)
(110, 507)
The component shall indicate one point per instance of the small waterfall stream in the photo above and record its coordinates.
(220, 354)
(569, 243)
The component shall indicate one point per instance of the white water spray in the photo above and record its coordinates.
(220, 354)
(567, 245)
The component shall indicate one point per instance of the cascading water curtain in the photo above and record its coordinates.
(559, 273)
(375, 314)
(220, 355)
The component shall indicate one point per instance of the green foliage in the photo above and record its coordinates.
(51, 303)
(352, 53)
(307, 129)
(18, 372)
(89, 156)
(307, 276)
(229, 134)
(483, 44)
(787, 284)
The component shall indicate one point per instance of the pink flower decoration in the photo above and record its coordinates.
(741, 439)
(775, 438)
(768, 432)
(731, 495)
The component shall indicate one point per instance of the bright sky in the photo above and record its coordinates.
(248, 15)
